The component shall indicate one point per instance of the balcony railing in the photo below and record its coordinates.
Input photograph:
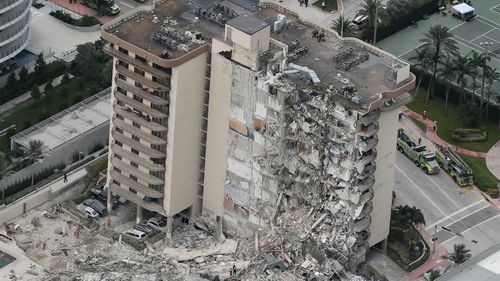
(151, 152)
(141, 79)
(140, 92)
(150, 179)
(147, 191)
(138, 132)
(136, 199)
(128, 59)
(140, 106)
(146, 163)
(129, 114)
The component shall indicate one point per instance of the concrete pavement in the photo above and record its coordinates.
(384, 265)
(493, 160)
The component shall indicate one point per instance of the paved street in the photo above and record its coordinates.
(464, 211)
(127, 5)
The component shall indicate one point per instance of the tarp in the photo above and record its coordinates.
(463, 8)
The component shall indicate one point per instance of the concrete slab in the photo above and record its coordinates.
(493, 160)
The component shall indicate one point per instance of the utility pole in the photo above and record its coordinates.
(434, 239)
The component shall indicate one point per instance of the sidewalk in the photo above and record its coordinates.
(385, 266)
(310, 13)
(432, 135)
(80, 9)
(26, 96)
(435, 260)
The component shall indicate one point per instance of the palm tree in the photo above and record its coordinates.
(343, 26)
(438, 41)
(462, 68)
(448, 73)
(406, 216)
(491, 75)
(33, 154)
(460, 254)
(372, 9)
(421, 62)
(434, 274)
(477, 61)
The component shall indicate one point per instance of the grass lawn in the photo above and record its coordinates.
(32, 112)
(330, 5)
(453, 120)
(485, 180)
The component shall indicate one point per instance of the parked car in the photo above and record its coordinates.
(88, 211)
(96, 205)
(136, 234)
(102, 194)
(144, 228)
(140, 1)
(157, 224)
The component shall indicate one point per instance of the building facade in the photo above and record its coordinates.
(255, 120)
(14, 28)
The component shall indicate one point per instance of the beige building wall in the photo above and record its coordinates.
(184, 135)
(246, 48)
(384, 176)
(218, 130)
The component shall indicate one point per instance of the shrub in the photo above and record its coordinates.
(469, 135)
(67, 18)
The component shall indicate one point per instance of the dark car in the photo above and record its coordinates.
(102, 195)
(144, 228)
(96, 205)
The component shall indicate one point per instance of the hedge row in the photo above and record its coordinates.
(67, 18)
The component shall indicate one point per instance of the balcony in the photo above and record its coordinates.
(141, 79)
(150, 179)
(362, 224)
(367, 144)
(138, 132)
(147, 191)
(369, 118)
(151, 152)
(115, 189)
(368, 131)
(129, 114)
(136, 158)
(140, 92)
(128, 59)
(140, 106)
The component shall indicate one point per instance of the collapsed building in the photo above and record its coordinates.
(258, 120)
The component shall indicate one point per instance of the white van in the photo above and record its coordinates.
(360, 22)
(136, 234)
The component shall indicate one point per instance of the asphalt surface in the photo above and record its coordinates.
(127, 5)
(462, 210)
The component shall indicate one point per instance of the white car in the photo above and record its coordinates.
(87, 211)
(157, 224)
(136, 234)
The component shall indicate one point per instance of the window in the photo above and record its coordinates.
(116, 182)
(118, 143)
(135, 151)
(121, 76)
(139, 71)
(136, 124)
(133, 164)
(141, 59)
(117, 169)
(137, 98)
(132, 190)
(119, 130)
(133, 177)
(118, 156)
(136, 138)
(137, 84)
(120, 90)
(125, 51)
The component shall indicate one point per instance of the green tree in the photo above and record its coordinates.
(40, 65)
(437, 43)
(107, 73)
(23, 74)
(448, 73)
(477, 62)
(460, 254)
(406, 216)
(421, 61)
(35, 93)
(372, 9)
(343, 26)
(433, 275)
(34, 153)
(462, 68)
(492, 76)
(48, 87)
(11, 82)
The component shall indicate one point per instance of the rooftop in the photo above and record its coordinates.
(68, 124)
(353, 70)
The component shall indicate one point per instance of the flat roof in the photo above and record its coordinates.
(357, 71)
(484, 267)
(68, 124)
(248, 23)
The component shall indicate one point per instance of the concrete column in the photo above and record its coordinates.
(109, 203)
(138, 218)
(169, 226)
(384, 245)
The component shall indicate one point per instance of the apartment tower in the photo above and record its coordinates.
(255, 120)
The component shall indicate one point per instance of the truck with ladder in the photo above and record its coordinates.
(103, 6)
(449, 161)
(417, 153)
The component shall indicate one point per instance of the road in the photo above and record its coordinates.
(127, 5)
(464, 211)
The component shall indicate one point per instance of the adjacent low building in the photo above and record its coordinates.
(254, 119)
